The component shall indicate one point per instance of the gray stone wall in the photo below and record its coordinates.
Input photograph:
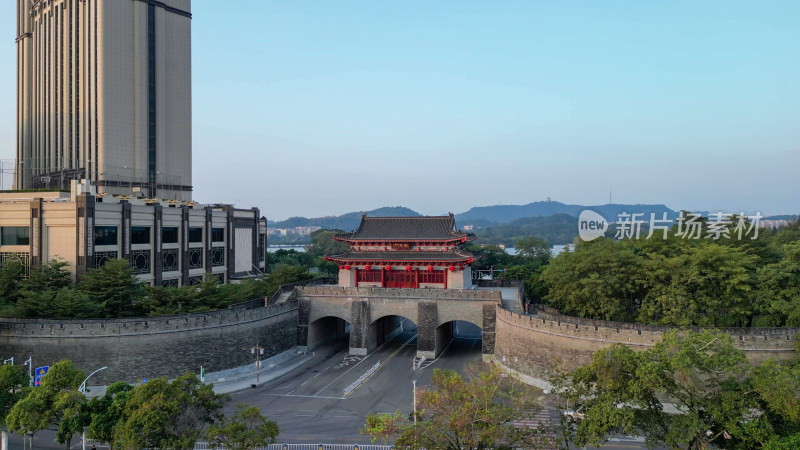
(151, 347)
(538, 346)
(430, 309)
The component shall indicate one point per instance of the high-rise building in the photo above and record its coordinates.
(104, 94)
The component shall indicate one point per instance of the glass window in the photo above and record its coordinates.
(15, 236)
(105, 235)
(140, 235)
(217, 234)
(196, 234)
(169, 235)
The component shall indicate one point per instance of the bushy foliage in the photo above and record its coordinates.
(684, 282)
(691, 390)
(456, 413)
(113, 290)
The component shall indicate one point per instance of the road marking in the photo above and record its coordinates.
(304, 396)
(356, 364)
(428, 363)
(382, 364)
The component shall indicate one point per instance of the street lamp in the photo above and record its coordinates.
(258, 350)
(29, 363)
(7, 360)
(414, 383)
(82, 390)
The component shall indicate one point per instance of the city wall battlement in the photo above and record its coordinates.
(150, 347)
(536, 346)
(421, 293)
(135, 326)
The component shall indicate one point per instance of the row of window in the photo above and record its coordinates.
(107, 235)
(141, 259)
(14, 236)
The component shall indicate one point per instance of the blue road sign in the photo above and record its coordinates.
(40, 372)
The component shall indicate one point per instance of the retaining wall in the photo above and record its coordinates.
(536, 345)
(150, 347)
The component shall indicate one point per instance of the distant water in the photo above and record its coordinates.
(555, 250)
(275, 248)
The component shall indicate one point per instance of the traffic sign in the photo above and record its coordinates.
(40, 372)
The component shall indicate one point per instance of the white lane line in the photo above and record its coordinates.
(304, 396)
(356, 364)
(381, 364)
(428, 364)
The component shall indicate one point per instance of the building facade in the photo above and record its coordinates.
(405, 252)
(168, 243)
(104, 93)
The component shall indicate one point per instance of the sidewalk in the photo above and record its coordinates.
(236, 379)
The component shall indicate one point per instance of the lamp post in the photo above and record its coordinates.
(82, 390)
(258, 350)
(414, 383)
(7, 360)
(29, 363)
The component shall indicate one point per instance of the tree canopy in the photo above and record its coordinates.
(691, 390)
(456, 413)
(113, 290)
(684, 282)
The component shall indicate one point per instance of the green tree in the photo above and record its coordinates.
(49, 276)
(601, 279)
(108, 412)
(10, 279)
(13, 386)
(113, 288)
(534, 249)
(778, 290)
(168, 414)
(461, 414)
(65, 303)
(323, 244)
(718, 399)
(55, 401)
(698, 287)
(245, 429)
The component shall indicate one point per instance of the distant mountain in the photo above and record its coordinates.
(555, 229)
(346, 222)
(501, 214)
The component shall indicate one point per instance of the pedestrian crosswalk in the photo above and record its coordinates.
(542, 420)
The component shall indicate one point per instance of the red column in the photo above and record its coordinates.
(356, 276)
(416, 278)
(445, 278)
(383, 277)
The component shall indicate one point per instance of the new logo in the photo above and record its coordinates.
(591, 225)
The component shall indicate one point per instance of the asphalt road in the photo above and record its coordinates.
(310, 405)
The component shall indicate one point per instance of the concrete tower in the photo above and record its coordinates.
(104, 93)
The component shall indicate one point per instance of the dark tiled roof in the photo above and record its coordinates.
(450, 255)
(406, 228)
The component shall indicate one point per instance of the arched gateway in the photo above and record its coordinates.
(411, 267)
(363, 308)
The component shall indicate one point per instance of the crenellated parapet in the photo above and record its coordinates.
(537, 345)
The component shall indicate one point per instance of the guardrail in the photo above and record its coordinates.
(497, 282)
(290, 286)
(207, 446)
(361, 379)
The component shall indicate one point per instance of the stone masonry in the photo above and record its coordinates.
(432, 310)
(536, 346)
(150, 347)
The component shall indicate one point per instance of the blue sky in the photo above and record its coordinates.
(318, 107)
